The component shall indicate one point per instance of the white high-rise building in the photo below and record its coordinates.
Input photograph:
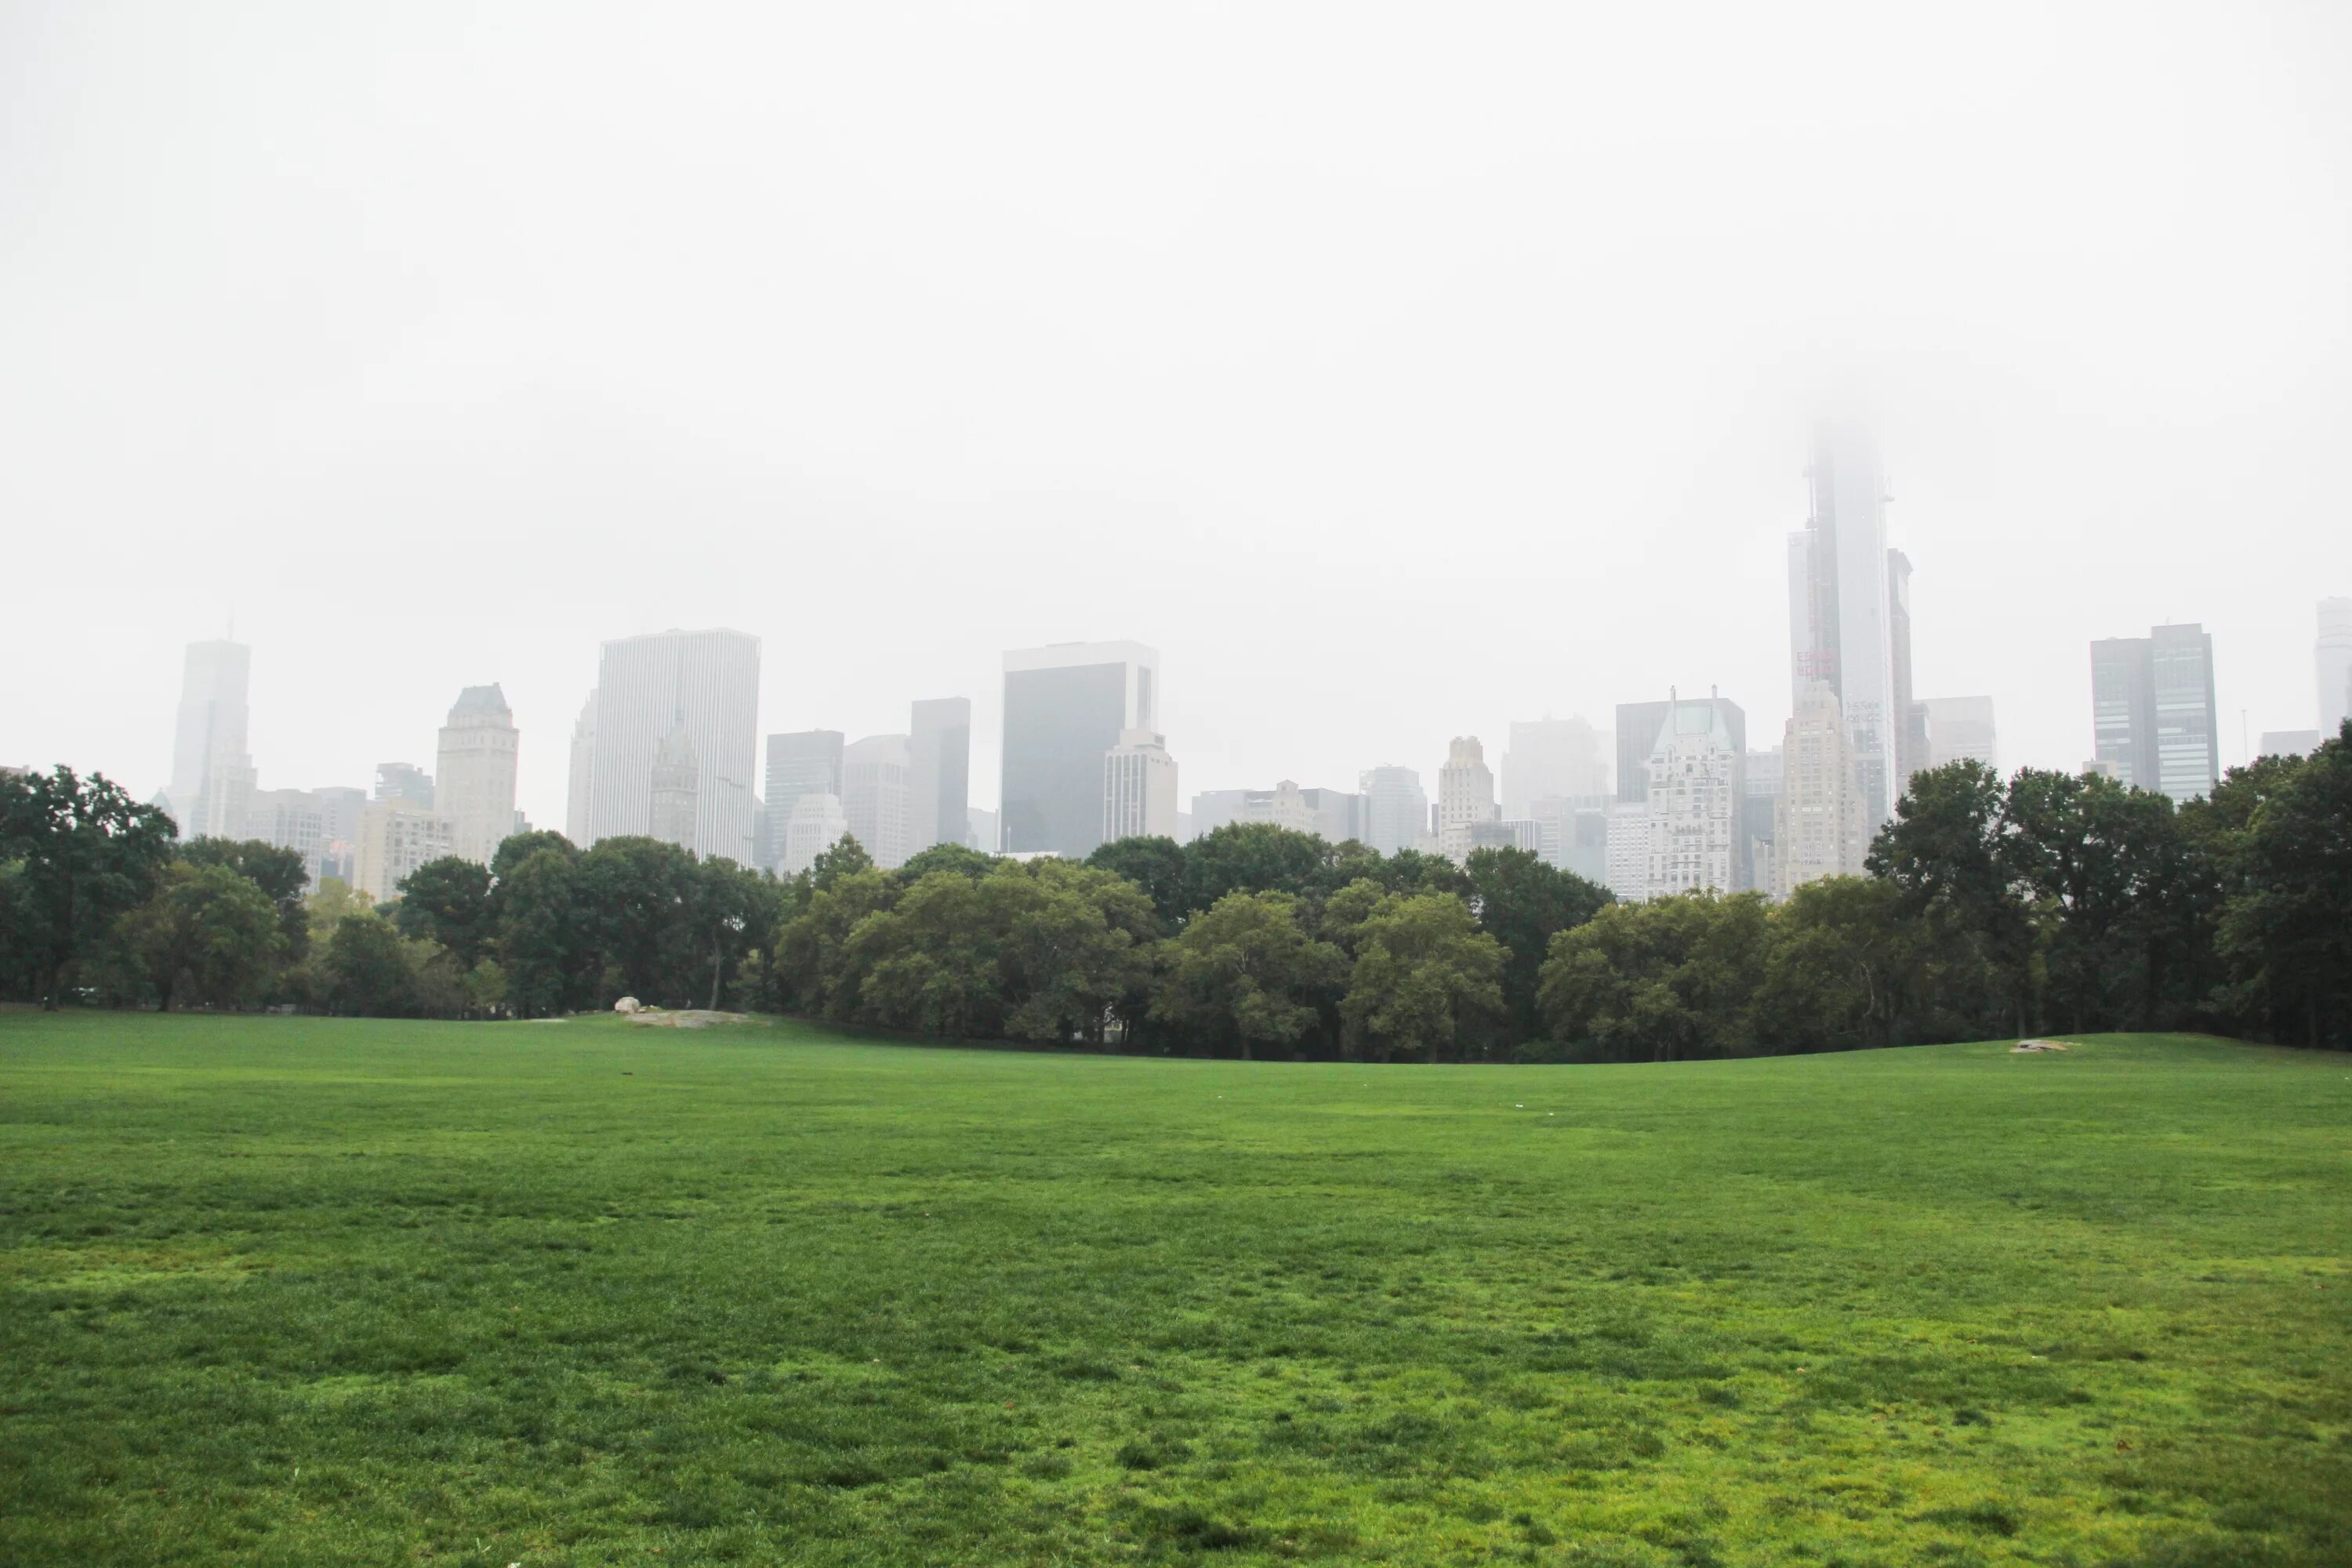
(1465, 793)
(474, 785)
(816, 825)
(212, 775)
(1139, 788)
(2334, 659)
(1626, 850)
(292, 820)
(676, 788)
(579, 815)
(1817, 827)
(1961, 727)
(395, 838)
(1841, 619)
(1396, 809)
(1551, 757)
(873, 773)
(708, 681)
(1693, 803)
(1066, 707)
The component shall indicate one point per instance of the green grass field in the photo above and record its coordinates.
(288, 1290)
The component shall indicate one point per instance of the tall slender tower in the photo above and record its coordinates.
(212, 775)
(938, 777)
(1466, 794)
(2335, 661)
(1066, 707)
(646, 686)
(475, 781)
(1840, 619)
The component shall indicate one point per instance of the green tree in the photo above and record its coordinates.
(960, 858)
(1523, 902)
(1842, 969)
(931, 962)
(1669, 980)
(276, 871)
(1426, 982)
(734, 909)
(636, 898)
(517, 847)
(448, 900)
(332, 901)
(846, 857)
(1075, 949)
(1154, 864)
(543, 946)
(1943, 852)
(2286, 931)
(1255, 858)
(816, 971)
(368, 969)
(84, 853)
(1245, 974)
(209, 938)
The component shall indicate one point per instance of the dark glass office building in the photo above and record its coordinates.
(1065, 709)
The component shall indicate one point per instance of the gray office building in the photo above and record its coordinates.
(1066, 707)
(2153, 717)
(938, 781)
(801, 762)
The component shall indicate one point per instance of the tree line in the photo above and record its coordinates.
(2044, 902)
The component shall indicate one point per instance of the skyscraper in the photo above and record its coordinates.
(1693, 801)
(707, 682)
(1396, 809)
(1638, 724)
(1139, 788)
(1818, 830)
(1911, 717)
(579, 810)
(1841, 621)
(212, 775)
(874, 797)
(2334, 657)
(476, 786)
(1066, 707)
(817, 823)
(2153, 718)
(1961, 727)
(1466, 794)
(677, 792)
(397, 836)
(1551, 757)
(406, 782)
(939, 778)
(800, 761)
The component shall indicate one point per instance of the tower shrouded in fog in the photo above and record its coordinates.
(705, 683)
(2334, 662)
(212, 775)
(1067, 707)
(475, 787)
(1841, 620)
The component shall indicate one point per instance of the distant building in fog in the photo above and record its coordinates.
(1842, 613)
(1820, 831)
(816, 825)
(1395, 809)
(675, 804)
(980, 830)
(2289, 742)
(1961, 727)
(1551, 757)
(397, 836)
(474, 788)
(1466, 794)
(800, 761)
(874, 797)
(2153, 717)
(939, 771)
(707, 682)
(212, 775)
(2334, 659)
(578, 813)
(1139, 788)
(1066, 707)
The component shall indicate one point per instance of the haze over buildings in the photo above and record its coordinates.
(1066, 707)
(700, 691)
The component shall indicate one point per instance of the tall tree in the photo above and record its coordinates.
(1154, 864)
(544, 942)
(369, 969)
(1256, 857)
(1245, 974)
(448, 900)
(1427, 981)
(1669, 980)
(637, 896)
(1944, 855)
(210, 937)
(2286, 930)
(1522, 902)
(278, 871)
(85, 853)
(517, 847)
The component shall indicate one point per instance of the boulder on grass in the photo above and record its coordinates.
(628, 1005)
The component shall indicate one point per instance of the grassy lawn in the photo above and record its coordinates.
(284, 1290)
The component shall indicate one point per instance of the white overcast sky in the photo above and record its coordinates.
(1396, 371)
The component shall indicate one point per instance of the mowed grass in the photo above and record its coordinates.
(287, 1291)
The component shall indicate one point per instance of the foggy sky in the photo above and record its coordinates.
(1397, 373)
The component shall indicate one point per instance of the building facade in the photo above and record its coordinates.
(1551, 757)
(212, 773)
(397, 836)
(579, 811)
(816, 825)
(1694, 805)
(1066, 707)
(675, 808)
(1396, 809)
(1961, 727)
(474, 784)
(2332, 659)
(708, 681)
(874, 797)
(800, 761)
(1819, 829)
(1841, 616)
(1139, 788)
(2153, 717)
(1466, 794)
(938, 777)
